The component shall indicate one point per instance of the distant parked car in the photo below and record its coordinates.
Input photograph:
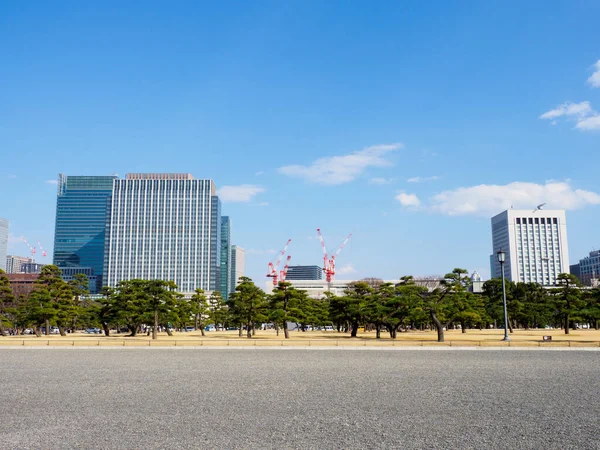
(189, 329)
(210, 328)
(54, 330)
(93, 331)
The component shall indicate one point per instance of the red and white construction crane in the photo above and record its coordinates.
(329, 263)
(273, 268)
(43, 251)
(283, 273)
(31, 249)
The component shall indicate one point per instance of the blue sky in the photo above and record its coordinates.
(405, 123)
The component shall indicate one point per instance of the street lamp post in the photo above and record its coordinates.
(502, 259)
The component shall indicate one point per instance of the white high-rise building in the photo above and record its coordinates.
(535, 243)
(238, 265)
(167, 227)
(14, 263)
(3, 242)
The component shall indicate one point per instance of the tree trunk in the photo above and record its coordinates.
(567, 324)
(377, 332)
(253, 330)
(277, 329)
(463, 328)
(196, 322)
(2, 332)
(155, 328)
(438, 326)
(133, 330)
(286, 332)
(61, 330)
(169, 333)
(354, 329)
(106, 329)
(510, 327)
(202, 329)
(240, 330)
(249, 330)
(37, 331)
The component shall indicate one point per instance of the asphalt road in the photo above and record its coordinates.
(201, 398)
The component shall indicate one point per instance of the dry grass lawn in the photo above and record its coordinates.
(315, 338)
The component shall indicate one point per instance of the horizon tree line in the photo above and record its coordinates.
(370, 304)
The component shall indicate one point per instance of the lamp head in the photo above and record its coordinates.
(501, 256)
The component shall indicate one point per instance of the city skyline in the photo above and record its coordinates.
(410, 133)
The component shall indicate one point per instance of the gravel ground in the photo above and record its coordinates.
(201, 398)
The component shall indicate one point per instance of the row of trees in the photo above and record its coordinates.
(372, 304)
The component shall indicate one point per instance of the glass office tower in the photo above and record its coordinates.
(79, 234)
(167, 227)
(225, 256)
(215, 244)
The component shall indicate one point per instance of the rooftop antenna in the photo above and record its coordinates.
(539, 207)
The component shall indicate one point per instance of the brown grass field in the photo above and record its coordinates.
(477, 338)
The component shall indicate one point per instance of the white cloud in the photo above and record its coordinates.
(346, 269)
(580, 110)
(487, 200)
(408, 199)
(52, 182)
(594, 79)
(422, 179)
(333, 170)
(380, 180)
(426, 153)
(589, 123)
(263, 204)
(259, 173)
(587, 119)
(242, 193)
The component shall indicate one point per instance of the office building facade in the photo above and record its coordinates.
(225, 256)
(164, 226)
(589, 269)
(69, 273)
(3, 242)
(304, 273)
(81, 213)
(32, 267)
(238, 266)
(22, 284)
(14, 263)
(535, 243)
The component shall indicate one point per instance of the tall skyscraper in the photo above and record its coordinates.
(238, 266)
(14, 263)
(164, 226)
(215, 244)
(535, 243)
(225, 256)
(3, 242)
(79, 234)
(304, 273)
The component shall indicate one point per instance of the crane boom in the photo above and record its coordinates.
(283, 273)
(274, 267)
(329, 263)
(342, 245)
